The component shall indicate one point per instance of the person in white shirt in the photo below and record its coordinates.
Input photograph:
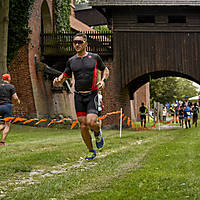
(164, 114)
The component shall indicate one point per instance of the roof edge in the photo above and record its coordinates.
(143, 3)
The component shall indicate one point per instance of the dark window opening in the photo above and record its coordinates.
(176, 19)
(145, 19)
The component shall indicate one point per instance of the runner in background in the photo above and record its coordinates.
(181, 115)
(195, 111)
(176, 112)
(187, 116)
(7, 93)
(143, 111)
(164, 114)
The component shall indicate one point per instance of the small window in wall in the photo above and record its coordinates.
(176, 19)
(146, 19)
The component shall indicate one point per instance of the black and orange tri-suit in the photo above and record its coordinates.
(85, 70)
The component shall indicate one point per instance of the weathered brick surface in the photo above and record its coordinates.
(19, 70)
(114, 99)
(141, 95)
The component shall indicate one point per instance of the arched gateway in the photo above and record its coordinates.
(152, 39)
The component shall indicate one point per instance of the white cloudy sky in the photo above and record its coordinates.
(197, 85)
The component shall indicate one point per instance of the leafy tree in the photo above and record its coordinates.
(81, 1)
(62, 12)
(18, 30)
(169, 89)
(102, 28)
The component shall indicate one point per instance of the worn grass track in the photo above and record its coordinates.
(47, 164)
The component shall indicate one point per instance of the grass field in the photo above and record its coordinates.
(48, 164)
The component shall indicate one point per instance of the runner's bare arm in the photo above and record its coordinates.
(59, 80)
(101, 83)
(15, 97)
(105, 74)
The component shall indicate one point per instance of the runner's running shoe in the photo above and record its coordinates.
(99, 139)
(3, 144)
(91, 155)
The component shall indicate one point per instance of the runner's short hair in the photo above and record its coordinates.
(83, 35)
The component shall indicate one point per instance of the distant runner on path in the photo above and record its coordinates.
(143, 111)
(187, 116)
(181, 115)
(195, 111)
(7, 93)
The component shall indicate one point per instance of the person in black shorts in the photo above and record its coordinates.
(143, 111)
(181, 115)
(195, 111)
(85, 65)
(7, 93)
(187, 115)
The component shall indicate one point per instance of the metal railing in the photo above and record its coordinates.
(61, 44)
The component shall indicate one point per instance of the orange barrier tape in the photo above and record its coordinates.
(64, 119)
(113, 113)
(26, 121)
(128, 121)
(133, 125)
(124, 118)
(74, 124)
(103, 117)
(60, 121)
(30, 120)
(42, 120)
(19, 119)
(99, 118)
(51, 122)
(7, 119)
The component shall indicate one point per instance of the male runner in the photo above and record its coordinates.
(85, 65)
(181, 115)
(187, 116)
(195, 111)
(143, 111)
(7, 93)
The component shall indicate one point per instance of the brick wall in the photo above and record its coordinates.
(115, 98)
(19, 70)
(141, 95)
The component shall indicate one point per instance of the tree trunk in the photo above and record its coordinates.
(4, 20)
